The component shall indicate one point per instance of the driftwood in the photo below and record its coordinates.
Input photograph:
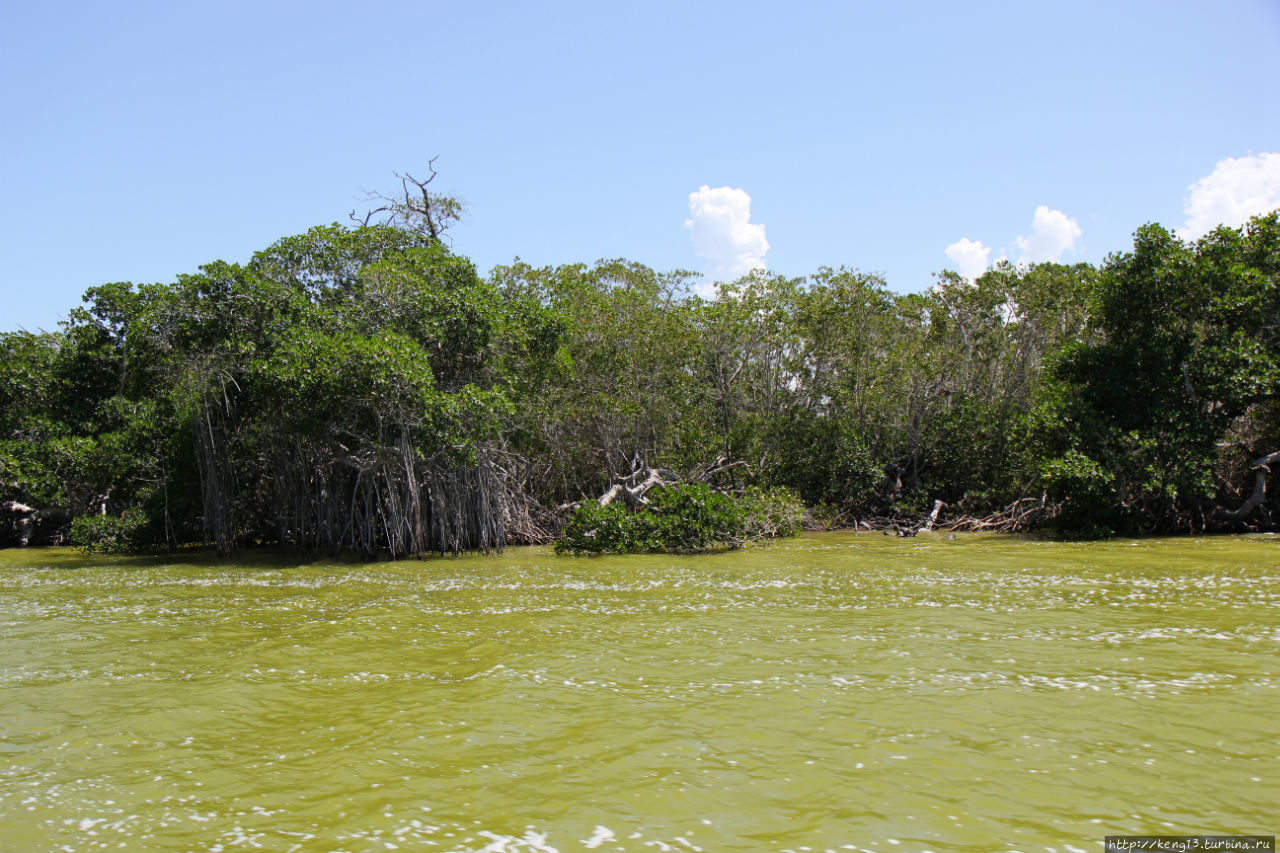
(632, 490)
(1261, 468)
(634, 487)
(1018, 517)
(933, 516)
(716, 470)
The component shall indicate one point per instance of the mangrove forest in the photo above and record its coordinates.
(362, 389)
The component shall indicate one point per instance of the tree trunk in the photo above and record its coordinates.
(1261, 468)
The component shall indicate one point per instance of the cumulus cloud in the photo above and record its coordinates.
(969, 256)
(1234, 191)
(1052, 233)
(723, 234)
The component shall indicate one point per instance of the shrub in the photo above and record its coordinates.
(1086, 492)
(108, 534)
(682, 519)
(772, 513)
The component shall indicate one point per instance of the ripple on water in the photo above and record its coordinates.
(835, 692)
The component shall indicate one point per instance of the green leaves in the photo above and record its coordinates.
(331, 352)
(347, 362)
(1183, 361)
(682, 519)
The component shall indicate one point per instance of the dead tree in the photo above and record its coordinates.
(416, 208)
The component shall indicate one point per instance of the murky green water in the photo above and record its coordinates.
(833, 692)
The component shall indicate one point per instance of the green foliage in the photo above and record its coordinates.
(1086, 493)
(107, 534)
(26, 378)
(348, 386)
(825, 516)
(597, 529)
(341, 368)
(690, 518)
(772, 513)
(1181, 362)
(682, 519)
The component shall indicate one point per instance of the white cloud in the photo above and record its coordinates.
(969, 256)
(1052, 233)
(1235, 190)
(723, 234)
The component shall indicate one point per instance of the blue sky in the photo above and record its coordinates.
(140, 140)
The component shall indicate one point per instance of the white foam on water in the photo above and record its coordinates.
(598, 837)
(530, 842)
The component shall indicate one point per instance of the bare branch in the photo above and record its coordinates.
(416, 208)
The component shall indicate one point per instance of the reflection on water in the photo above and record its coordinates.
(830, 693)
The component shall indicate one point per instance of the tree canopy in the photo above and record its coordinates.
(360, 388)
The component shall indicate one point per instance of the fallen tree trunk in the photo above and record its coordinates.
(29, 525)
(632, 490)
(634, 496)
(1261, 468)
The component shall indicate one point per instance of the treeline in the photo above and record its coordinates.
(362, 389)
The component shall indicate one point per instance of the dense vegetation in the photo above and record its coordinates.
(361, 389)
(682, 518)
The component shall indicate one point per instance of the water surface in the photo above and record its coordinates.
(834, 692)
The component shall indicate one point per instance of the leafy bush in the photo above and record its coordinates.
(108, 534)
(772, 513)
(1086, 492)
(600, 529)
(825, 516)
(682, 519)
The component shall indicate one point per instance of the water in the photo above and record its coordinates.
(829, 693)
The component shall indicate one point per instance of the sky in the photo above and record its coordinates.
(139, 141)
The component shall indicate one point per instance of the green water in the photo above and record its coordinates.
(828, 693)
